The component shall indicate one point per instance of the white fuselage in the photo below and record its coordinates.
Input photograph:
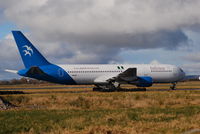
(92, 73)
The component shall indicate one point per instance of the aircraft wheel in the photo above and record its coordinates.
(96, 89)
(173, 87)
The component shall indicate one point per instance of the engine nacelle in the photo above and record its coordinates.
(144, 81)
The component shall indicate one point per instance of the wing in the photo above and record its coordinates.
(104, 79)
(127, 76)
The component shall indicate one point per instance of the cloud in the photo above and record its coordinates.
(155, 62)
(88, 31)
(8, 53)
(137, 24)
(192, 57)
(115, 16)
(9, 57)
(192, 68)
(9, 37)
(6, 75)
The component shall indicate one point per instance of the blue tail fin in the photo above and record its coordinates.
(30, 55)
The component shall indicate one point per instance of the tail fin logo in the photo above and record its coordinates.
(28, 50)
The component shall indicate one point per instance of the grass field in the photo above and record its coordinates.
(61, 111)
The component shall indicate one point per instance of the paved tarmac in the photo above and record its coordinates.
(8, 91)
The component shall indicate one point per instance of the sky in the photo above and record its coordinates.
(103, 31)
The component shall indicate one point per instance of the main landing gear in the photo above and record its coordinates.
(107, 88)
(173, 86)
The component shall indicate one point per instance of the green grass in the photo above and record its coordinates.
(40, 121)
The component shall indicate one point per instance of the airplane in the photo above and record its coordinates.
(103, 76)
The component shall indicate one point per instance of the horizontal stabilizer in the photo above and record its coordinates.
(11, 71)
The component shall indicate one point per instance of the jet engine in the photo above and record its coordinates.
(144, 81)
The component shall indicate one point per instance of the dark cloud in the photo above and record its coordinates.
(160, 39)
(105, 47)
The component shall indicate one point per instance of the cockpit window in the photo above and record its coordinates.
(181, 70)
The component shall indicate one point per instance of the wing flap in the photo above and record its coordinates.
(104, 79)
(129, 75)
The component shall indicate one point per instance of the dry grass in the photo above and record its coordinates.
(102, 112)
(114, 100)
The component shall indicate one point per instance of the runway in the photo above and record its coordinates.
(90, 87)
(31, 88)
(82, 89)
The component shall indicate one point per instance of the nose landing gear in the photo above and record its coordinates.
(173, 86)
